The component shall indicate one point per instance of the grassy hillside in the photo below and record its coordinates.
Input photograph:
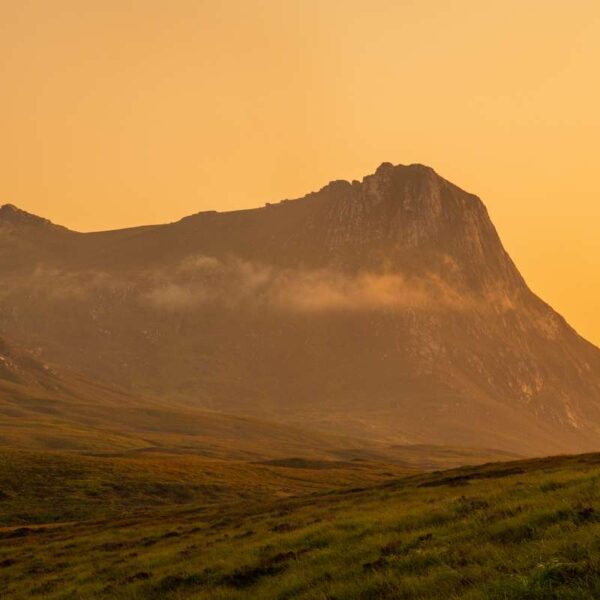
(42, 409)
(521, 530)
(69, 413)
(52, 487)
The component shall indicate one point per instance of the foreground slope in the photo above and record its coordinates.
(386, 308)
(522, 530)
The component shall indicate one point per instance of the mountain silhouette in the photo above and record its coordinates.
(386, 309)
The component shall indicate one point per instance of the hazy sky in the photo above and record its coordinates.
(116, 112)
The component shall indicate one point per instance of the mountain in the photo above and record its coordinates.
(385, 309)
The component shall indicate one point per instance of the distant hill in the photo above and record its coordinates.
(385, 309)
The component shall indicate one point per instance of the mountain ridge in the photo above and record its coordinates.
(8, 210)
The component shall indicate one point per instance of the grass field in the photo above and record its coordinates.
(519, 530)
(53, 487)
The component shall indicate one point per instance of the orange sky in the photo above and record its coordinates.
(118, 113)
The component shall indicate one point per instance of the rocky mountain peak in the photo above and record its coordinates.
(406, 217)
(12, 215)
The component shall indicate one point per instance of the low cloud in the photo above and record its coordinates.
(204, 280)
(323, 291)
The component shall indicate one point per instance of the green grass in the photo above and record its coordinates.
(524, 530)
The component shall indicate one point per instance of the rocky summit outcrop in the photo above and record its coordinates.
(386, 308)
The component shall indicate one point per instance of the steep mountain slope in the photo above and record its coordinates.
(385, 308)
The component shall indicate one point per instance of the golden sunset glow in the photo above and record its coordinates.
(122, 113)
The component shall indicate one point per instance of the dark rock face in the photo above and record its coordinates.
(386, 308)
